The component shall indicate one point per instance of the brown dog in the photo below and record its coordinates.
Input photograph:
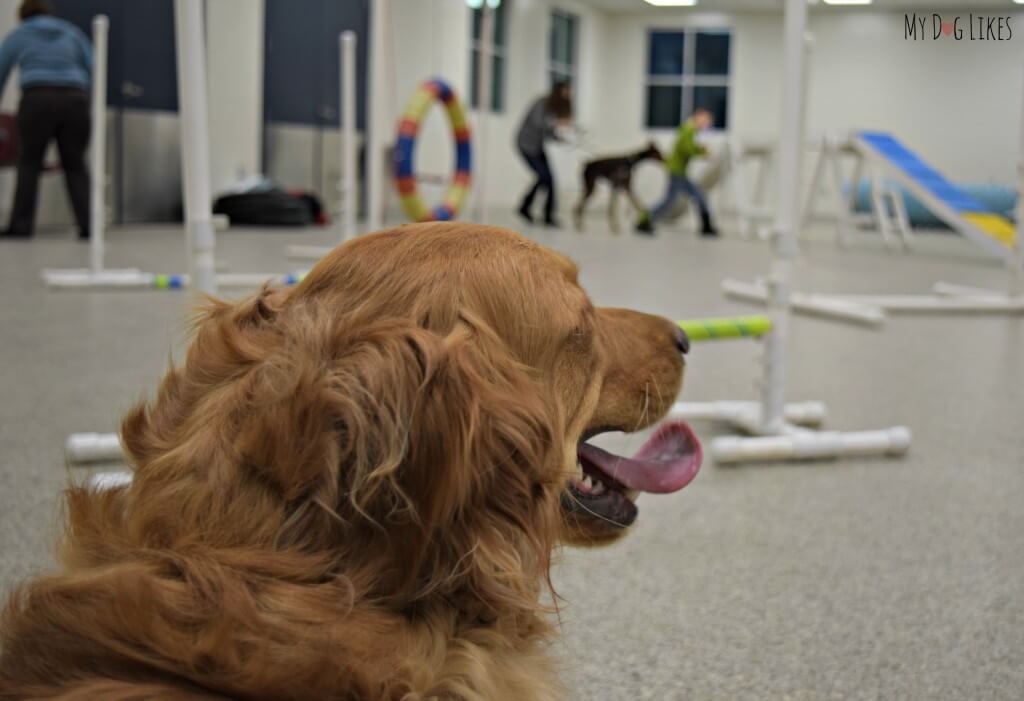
(618, 172)
(351, 489)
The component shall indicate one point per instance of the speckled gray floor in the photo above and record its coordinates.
(860, 579)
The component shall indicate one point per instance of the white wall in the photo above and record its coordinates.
(957, 103)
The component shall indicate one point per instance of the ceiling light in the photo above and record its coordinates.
(674, 3)
(847, 2)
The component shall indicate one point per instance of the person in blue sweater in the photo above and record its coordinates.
(55, 59)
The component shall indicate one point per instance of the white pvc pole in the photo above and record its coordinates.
(347, 48)
(483, 111)
(377, 122)
(195, 144)
(93, 447)
(787, 216)
(1017, 267)
(98, 154)
(808, 445)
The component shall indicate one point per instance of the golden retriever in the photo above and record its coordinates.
(351, 489)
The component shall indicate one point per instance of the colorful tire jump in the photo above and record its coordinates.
(405, 172)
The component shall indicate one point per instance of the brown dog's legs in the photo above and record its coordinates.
(613, 199)
(588, 190)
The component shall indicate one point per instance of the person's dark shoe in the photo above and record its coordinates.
(84, 235)
(552, 223)
(13, 234)
(644, 226)
(707, 229)
(524, 212)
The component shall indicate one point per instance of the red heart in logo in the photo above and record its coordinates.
(947, 28)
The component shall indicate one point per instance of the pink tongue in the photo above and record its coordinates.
(667, 462)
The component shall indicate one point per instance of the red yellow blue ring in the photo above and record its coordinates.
(405, 173)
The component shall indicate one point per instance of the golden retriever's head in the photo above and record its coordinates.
(417, 410)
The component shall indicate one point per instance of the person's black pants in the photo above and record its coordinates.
(539, 165)
(46, 113)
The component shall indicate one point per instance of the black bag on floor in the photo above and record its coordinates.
(265, 208)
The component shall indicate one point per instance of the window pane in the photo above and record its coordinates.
(570, 39)
(557, 37)
(499, 24)
(714, 98)
(557, 75)
(712, 53)
(497, 83)
(664, 104)
(498, 21)
(474, 63)
(665, 56)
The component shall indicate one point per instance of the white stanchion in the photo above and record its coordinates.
(483, 110)
(98, 144)
(348, 187)
(377, 121)
(772, 422)
(83, 448)
(190, 44)
(347, 50)
(98, 174)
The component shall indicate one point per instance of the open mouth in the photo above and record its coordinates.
(606, 485)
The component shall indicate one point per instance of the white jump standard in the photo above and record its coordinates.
(347, 185)
(773, 427)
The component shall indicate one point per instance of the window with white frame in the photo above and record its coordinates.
(563, 47)
(497, 52)
(687, 69)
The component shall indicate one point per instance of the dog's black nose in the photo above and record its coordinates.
(682, 341)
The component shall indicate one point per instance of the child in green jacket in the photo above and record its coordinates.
(686, 147)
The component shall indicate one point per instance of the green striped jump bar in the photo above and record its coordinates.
(726, 327)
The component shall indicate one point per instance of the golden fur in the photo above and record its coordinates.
(349, 490)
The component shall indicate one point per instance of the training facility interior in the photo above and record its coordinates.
(826, 564)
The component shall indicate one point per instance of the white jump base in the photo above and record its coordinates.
(307, 252)
(823, 306)
(132, 279)
(103, 481)
(794, 439)
(803, 444)
(83, 448)
(747, 414)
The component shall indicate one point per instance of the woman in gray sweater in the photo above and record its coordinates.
(545, 113)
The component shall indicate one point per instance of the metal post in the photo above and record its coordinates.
(485, 95)
(347, 46)
(787, 216)
(98, 154)
(195, 144)
(377, 122)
